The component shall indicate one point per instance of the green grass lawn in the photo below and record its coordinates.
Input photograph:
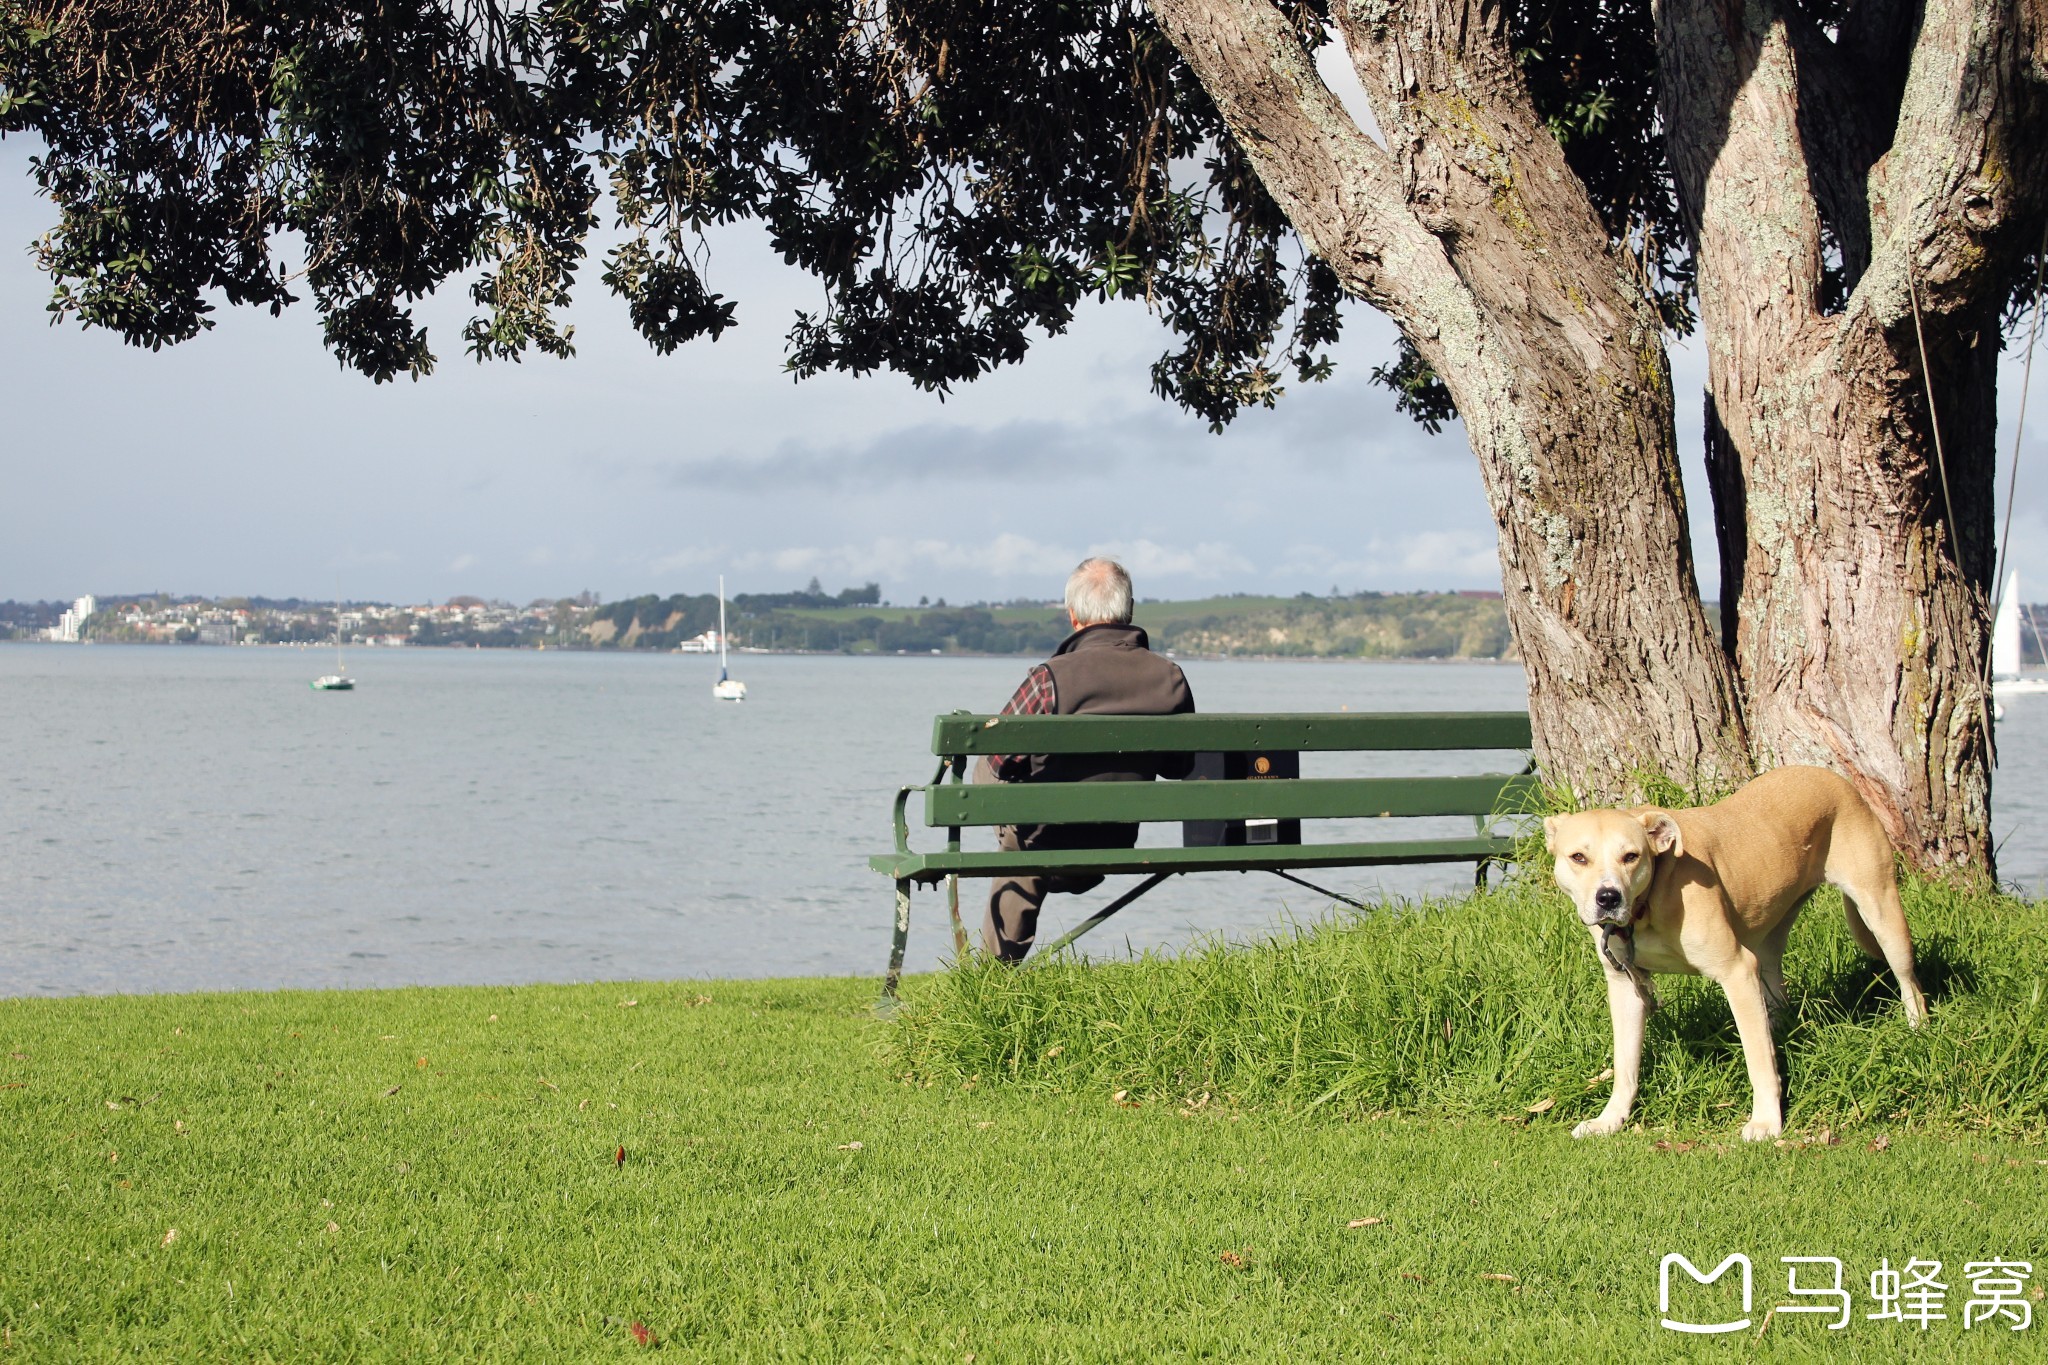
(398, 1174)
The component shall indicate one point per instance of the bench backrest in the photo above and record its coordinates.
(962, 736)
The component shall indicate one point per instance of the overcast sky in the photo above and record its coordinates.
(248, 462)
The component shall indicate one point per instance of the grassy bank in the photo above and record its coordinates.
(435, 1173)
(1490, 1005)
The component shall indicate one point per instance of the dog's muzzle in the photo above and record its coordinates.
(1610, 908)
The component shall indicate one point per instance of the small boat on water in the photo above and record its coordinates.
(2006, 679)
(338, 680)
(727, 688)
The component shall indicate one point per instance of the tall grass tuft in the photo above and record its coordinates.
(1490, 1005)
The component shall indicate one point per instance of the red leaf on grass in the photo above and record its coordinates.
(620, 1159)
(639, 1329)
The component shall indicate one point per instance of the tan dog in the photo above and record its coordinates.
(1714, 891)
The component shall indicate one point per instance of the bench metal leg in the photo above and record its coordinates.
(1479, 877)
(896, 946)
(1319, 890)
(1104, 913)
(959, 929)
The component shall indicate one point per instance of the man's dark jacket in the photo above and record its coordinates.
(1108, 670)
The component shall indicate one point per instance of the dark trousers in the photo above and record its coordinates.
(1013, 902)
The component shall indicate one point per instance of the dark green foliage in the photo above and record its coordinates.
(959, 174)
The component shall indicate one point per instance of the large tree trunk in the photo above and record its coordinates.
(1858, 549)
(1473, 234)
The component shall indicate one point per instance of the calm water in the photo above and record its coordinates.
(188, 819)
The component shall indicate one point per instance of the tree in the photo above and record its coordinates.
(961, 174)
(1864, 185)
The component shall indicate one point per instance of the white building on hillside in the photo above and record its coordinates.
(71, 622)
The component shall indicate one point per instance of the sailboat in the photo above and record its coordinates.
(338, 680)
(2005, 649)
(727, 688)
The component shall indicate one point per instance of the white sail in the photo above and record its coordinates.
(2005, 633)
(727, 688)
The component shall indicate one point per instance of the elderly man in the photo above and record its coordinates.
(1106, 668)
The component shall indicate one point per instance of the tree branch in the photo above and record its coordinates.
(1731, 105)
(1958, 199)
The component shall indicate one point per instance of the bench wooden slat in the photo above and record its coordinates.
(1266, 799)
(1239, 858)
(1341, 730)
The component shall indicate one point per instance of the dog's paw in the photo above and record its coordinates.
(1600, 1127)
(1758, 1130)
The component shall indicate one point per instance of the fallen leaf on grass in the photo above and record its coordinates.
(393, 1091)
(620, 1159)
(2037, 1293)
(1880, 1142)
(627, 1004)
(1365, 1222)
(491, 1019)
(421, 1063)
(14, 1085)
(697, 1000)
(1504, 1279)
(847, 1147)
(582, 1105)
(333, 1226)
(1828, 1137)
(170, 1237)
(1055, 1050)
(1411, 1275)
(1604, 1074)
(986, 1123)
(1543, 1106)
(549, 1084)
(113, 1157)
(23, 1056)
(641, 1335)
(1234, 1260)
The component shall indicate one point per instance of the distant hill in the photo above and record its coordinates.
(1360, 626)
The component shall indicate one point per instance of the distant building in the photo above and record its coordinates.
(71, 622)
(217, 633)
(707, 643)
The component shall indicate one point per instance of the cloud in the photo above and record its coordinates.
(1008, 557)
(1024, 450)
(696, 557)
(1445, 558)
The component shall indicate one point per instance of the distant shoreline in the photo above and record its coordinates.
(753, 651)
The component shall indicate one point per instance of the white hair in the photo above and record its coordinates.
(1098, 593)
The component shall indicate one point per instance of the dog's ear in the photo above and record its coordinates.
(1550, 824)
(1662, 829)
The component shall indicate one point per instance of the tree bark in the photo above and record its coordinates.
(1470, 231)
(1856, 521)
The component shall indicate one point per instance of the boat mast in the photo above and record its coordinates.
(721, 628)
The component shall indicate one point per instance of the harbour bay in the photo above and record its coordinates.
(180, 819)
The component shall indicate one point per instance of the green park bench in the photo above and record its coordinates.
(952, 805)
